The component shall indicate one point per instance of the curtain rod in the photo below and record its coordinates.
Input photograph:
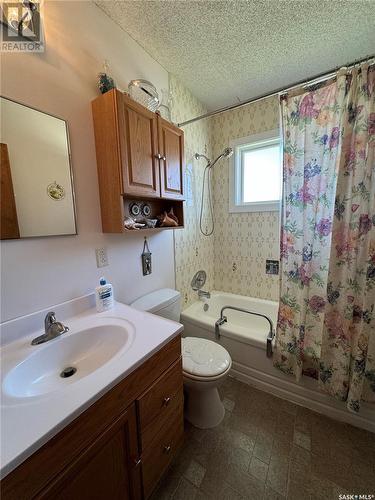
(282, 90)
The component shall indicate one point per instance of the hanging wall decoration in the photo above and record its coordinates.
(56, 191)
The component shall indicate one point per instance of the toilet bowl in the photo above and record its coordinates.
(205, 366)
(205, 363)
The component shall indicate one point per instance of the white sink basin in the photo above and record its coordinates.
(84, 350)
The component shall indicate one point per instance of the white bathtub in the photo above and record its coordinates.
(245, 338)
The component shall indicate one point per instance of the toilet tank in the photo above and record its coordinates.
(164, 302)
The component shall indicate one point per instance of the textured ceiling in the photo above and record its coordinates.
(226, 51)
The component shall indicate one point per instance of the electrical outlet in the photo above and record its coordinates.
(101, 257)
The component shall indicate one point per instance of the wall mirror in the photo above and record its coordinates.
(37, 196)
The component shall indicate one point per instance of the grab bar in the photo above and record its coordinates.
(223, 319)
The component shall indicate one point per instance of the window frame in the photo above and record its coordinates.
(239, 146)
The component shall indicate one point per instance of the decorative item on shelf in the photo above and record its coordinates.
(105, 82)
(146, 259)
(134, 209)
(146, 209)
(172, 215)
(164, 106)
(145, 93)
(168, 219)
(55, 191)
(151, 223)
(131, 223)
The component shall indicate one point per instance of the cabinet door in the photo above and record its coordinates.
(138, 147)
(171, 149)
(109, 468)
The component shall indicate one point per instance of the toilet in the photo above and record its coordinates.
(205, 363)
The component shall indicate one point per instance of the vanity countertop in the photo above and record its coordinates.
(29, 422)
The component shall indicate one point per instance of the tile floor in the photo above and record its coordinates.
(268, 448)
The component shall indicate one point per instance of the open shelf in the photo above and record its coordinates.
(157, 206)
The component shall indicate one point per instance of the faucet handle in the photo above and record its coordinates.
(49, 320)
(51, 317)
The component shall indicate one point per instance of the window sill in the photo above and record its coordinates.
(271, 206)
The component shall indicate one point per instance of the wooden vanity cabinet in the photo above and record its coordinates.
(119, 447)
(139, 155)
(108, 468)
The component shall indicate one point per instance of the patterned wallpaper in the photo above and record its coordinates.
(234, 257)
(243, 241)
(192, 250)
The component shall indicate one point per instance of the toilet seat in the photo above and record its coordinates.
(204, 360)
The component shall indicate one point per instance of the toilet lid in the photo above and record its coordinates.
(204, 358)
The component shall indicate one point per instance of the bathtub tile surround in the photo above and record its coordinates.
(243, 241)
(193, 251)
(269, 448)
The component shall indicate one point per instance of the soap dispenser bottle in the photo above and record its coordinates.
(104, 296)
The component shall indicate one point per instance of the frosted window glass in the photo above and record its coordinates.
(261, 174)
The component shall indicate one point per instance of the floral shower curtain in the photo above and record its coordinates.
(326, 323)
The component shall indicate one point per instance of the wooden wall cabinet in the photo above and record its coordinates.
(139, 155)
(119, 447)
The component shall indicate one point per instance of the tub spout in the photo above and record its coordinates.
(219, 322)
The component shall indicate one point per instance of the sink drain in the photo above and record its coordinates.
(68, 372)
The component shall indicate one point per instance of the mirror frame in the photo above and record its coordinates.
(70, 171)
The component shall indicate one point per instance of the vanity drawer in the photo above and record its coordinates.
(160, 403)
(158, 456)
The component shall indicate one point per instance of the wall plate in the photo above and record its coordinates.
(101, 257)
(272, 266)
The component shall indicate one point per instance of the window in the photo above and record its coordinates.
(255, 173)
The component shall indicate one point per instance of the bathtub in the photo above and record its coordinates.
(245, 338)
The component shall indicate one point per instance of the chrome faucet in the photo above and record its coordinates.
(52, 329)
(202, 293)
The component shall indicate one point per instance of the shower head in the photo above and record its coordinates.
(227, 153)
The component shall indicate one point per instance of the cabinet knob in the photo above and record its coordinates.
(158, 156)
(166, 401)
(167, 449)
(137, 462)
(163, 158)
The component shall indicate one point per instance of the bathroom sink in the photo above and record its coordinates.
(67, 359)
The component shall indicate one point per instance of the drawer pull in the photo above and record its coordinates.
(167, 449)
(137, 462)
(166, 401)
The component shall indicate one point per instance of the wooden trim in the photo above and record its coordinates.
(36, 472)
(104, 109)
(9, 220)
